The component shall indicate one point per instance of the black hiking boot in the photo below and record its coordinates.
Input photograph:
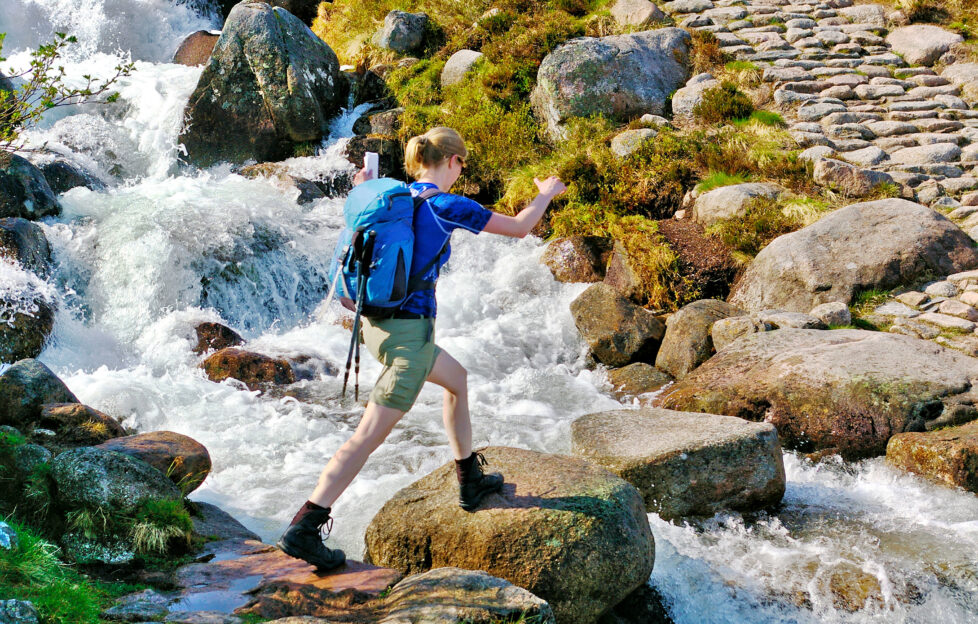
(304, 540)
(473, 484)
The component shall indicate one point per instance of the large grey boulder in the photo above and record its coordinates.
(964, 75)
(403, 32)
(922, 44)
(731, 202)
(636, 12)
(848, 179)
(24, 242)
(458, 65)
(879, 244)
(685, 100)
(617, 331)
(686, 463)
(620, 76)
(24, 388)
(90, 477)
(23, 190)
(687, 342)
(849, 390)
(270, 83)
(562, 528)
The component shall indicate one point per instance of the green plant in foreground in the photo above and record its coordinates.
(723, 103)
(866, 301)
(157, 524)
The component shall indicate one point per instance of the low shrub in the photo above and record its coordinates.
(723, 103)
(707, 55)
(764, 220)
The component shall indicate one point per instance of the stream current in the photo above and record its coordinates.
(161, 248)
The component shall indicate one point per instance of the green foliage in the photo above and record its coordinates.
(765, 118)
(866, 301)
(33, 572)
(707, 55)
(45, 88)
(764, 220)
(723, 103)
(716, 179)
(158, 527)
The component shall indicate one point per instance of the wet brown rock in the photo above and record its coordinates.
(390, 151)
(214, 337)
(386, 123)
(565, 530)
(636, 379)
(617, 331)
(947, 456)
(577, 258)
(24, 329)
(622, 275)
(308, 190)
(184, 460)
(686, 463)
(24, 388)
(845, 389)
(687, 342)
(196, 48)
(853, 590)
(213, 523)
(254, 369)
(79, 425)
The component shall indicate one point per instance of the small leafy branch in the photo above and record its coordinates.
(44, 88)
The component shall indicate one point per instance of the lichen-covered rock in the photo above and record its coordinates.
(18, 612)
(731, 202)
(685, 100)
(686, 463)
(386, 123)
(725, 331)
(458, 65)
(620, 76)
(196, 48)
(75, 424)
(948, 456)
(254, 369)
(569, 532)
(24, 242)
(214, 337)
(146, 605)
(270, 84)
(628, 142)
(23, 190)
(8, 537)
(880, 244)
(636, 12)
(184, 460)
(637, 379)
(403, 32)
(617, 331)
(26, 322)
(849, 179)
(24, 388)
(687, 342)
(834, 313)
(113, 550)
(92, 477)
(577, 258)
(849, 390)
(455, 596)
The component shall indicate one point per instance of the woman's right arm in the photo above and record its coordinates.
(521, 225)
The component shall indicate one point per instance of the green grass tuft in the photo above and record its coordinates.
(716, 179)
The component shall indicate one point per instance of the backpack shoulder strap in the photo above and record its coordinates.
(416, 282)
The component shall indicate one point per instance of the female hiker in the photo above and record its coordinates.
(405, 343)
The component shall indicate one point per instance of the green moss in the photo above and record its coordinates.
(716, 179)
(723, 103)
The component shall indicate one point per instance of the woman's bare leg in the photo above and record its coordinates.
(453, 377)
(346, 463)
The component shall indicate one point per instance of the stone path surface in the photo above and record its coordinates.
(890, 100)
(845, 79)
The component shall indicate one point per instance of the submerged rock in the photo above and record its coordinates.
(687, 342)
(565, 530)
(75, 424)
(270, 84)
(254, 369)
(93, 477)
(577, 258)
(620, 76)
(24, 388)
(880, 244)
(617, 331)
(63, 175)
(686, 463)
(850, 390)
(23, 190)
(308, 190)
(181, 458)
(947, 456)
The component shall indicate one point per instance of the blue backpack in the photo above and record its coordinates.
(373, 257)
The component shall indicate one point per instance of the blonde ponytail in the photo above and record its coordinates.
(432, 147)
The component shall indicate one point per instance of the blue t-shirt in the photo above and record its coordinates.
(434, 222)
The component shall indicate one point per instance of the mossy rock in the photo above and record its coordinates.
(24, 388)
(567, 531)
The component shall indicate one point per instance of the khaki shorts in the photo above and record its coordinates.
(407, 349)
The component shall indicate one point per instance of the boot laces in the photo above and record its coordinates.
(326, 528)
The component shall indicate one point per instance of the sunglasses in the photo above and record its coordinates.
(461, 161)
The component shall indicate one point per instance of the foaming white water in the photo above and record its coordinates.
(150, 30)
(852, 544)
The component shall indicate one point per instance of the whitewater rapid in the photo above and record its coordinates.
(162, 248)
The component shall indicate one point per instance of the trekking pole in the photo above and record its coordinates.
(368, 253)
(353, 340)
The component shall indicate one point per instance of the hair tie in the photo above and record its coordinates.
(423, 140)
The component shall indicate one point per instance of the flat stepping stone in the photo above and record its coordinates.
(922, 44)
(867, 157)
(686, 463)
(947, 322)
(890, 128)
(926, 154)
(948, 456)
(875, 92)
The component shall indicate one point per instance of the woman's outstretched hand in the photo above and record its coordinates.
(551, 187)
(362, 176)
